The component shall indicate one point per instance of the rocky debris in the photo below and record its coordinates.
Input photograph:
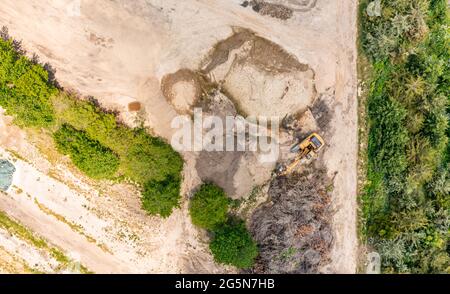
(293, 230)
(301, 125)
(273, 10)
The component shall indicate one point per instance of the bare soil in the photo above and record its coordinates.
(119, 52)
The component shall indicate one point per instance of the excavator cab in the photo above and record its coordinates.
(308, 148)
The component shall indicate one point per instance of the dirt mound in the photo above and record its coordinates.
(260, 76)
(296, 5)
(181, 89)
(221, 51)
(273, 10)
(293, 230)
(263, 53)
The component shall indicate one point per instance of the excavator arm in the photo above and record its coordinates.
(312, 144)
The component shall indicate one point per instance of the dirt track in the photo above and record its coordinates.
(119, 51)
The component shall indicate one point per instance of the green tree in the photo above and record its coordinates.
(88, 155)
(233, 245)
(25, 90)
(160, 197)
(209, 207)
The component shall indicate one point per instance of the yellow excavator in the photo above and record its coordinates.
(305, 149)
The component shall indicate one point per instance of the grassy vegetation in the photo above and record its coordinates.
(24, 89)
(209, 207)
(406, 200)
(97, 144)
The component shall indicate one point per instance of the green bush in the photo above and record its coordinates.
(209, 207)
(144, 159)
(88, 155)
(25, 90)
(233, 245)
(160, 197)
(402, 24)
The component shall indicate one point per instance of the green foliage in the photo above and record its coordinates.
(88, 155)
(406, 200)
(25, 89)
(233, 245)
(144, 159)
(161, 196)
(401, 25)
(96, 143)
(209, 207)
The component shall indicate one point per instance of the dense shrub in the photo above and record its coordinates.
(161, 196)
(209, 207)
(144, 159)
(401, 25)
(406, 200)
(233, 245)
(88, 155)
(25, 90)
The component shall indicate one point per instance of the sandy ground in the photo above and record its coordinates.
(118, 51)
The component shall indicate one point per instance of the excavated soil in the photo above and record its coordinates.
(261, 77)
(181, 89)
(264, 54)
(237, 172)
(273, 10)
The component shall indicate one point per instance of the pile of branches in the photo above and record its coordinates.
(293, 230)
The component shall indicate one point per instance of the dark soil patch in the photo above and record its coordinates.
(263, 53)
(273, 10)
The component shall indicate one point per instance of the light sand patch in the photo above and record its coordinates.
(184, 94)
(285, 94)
